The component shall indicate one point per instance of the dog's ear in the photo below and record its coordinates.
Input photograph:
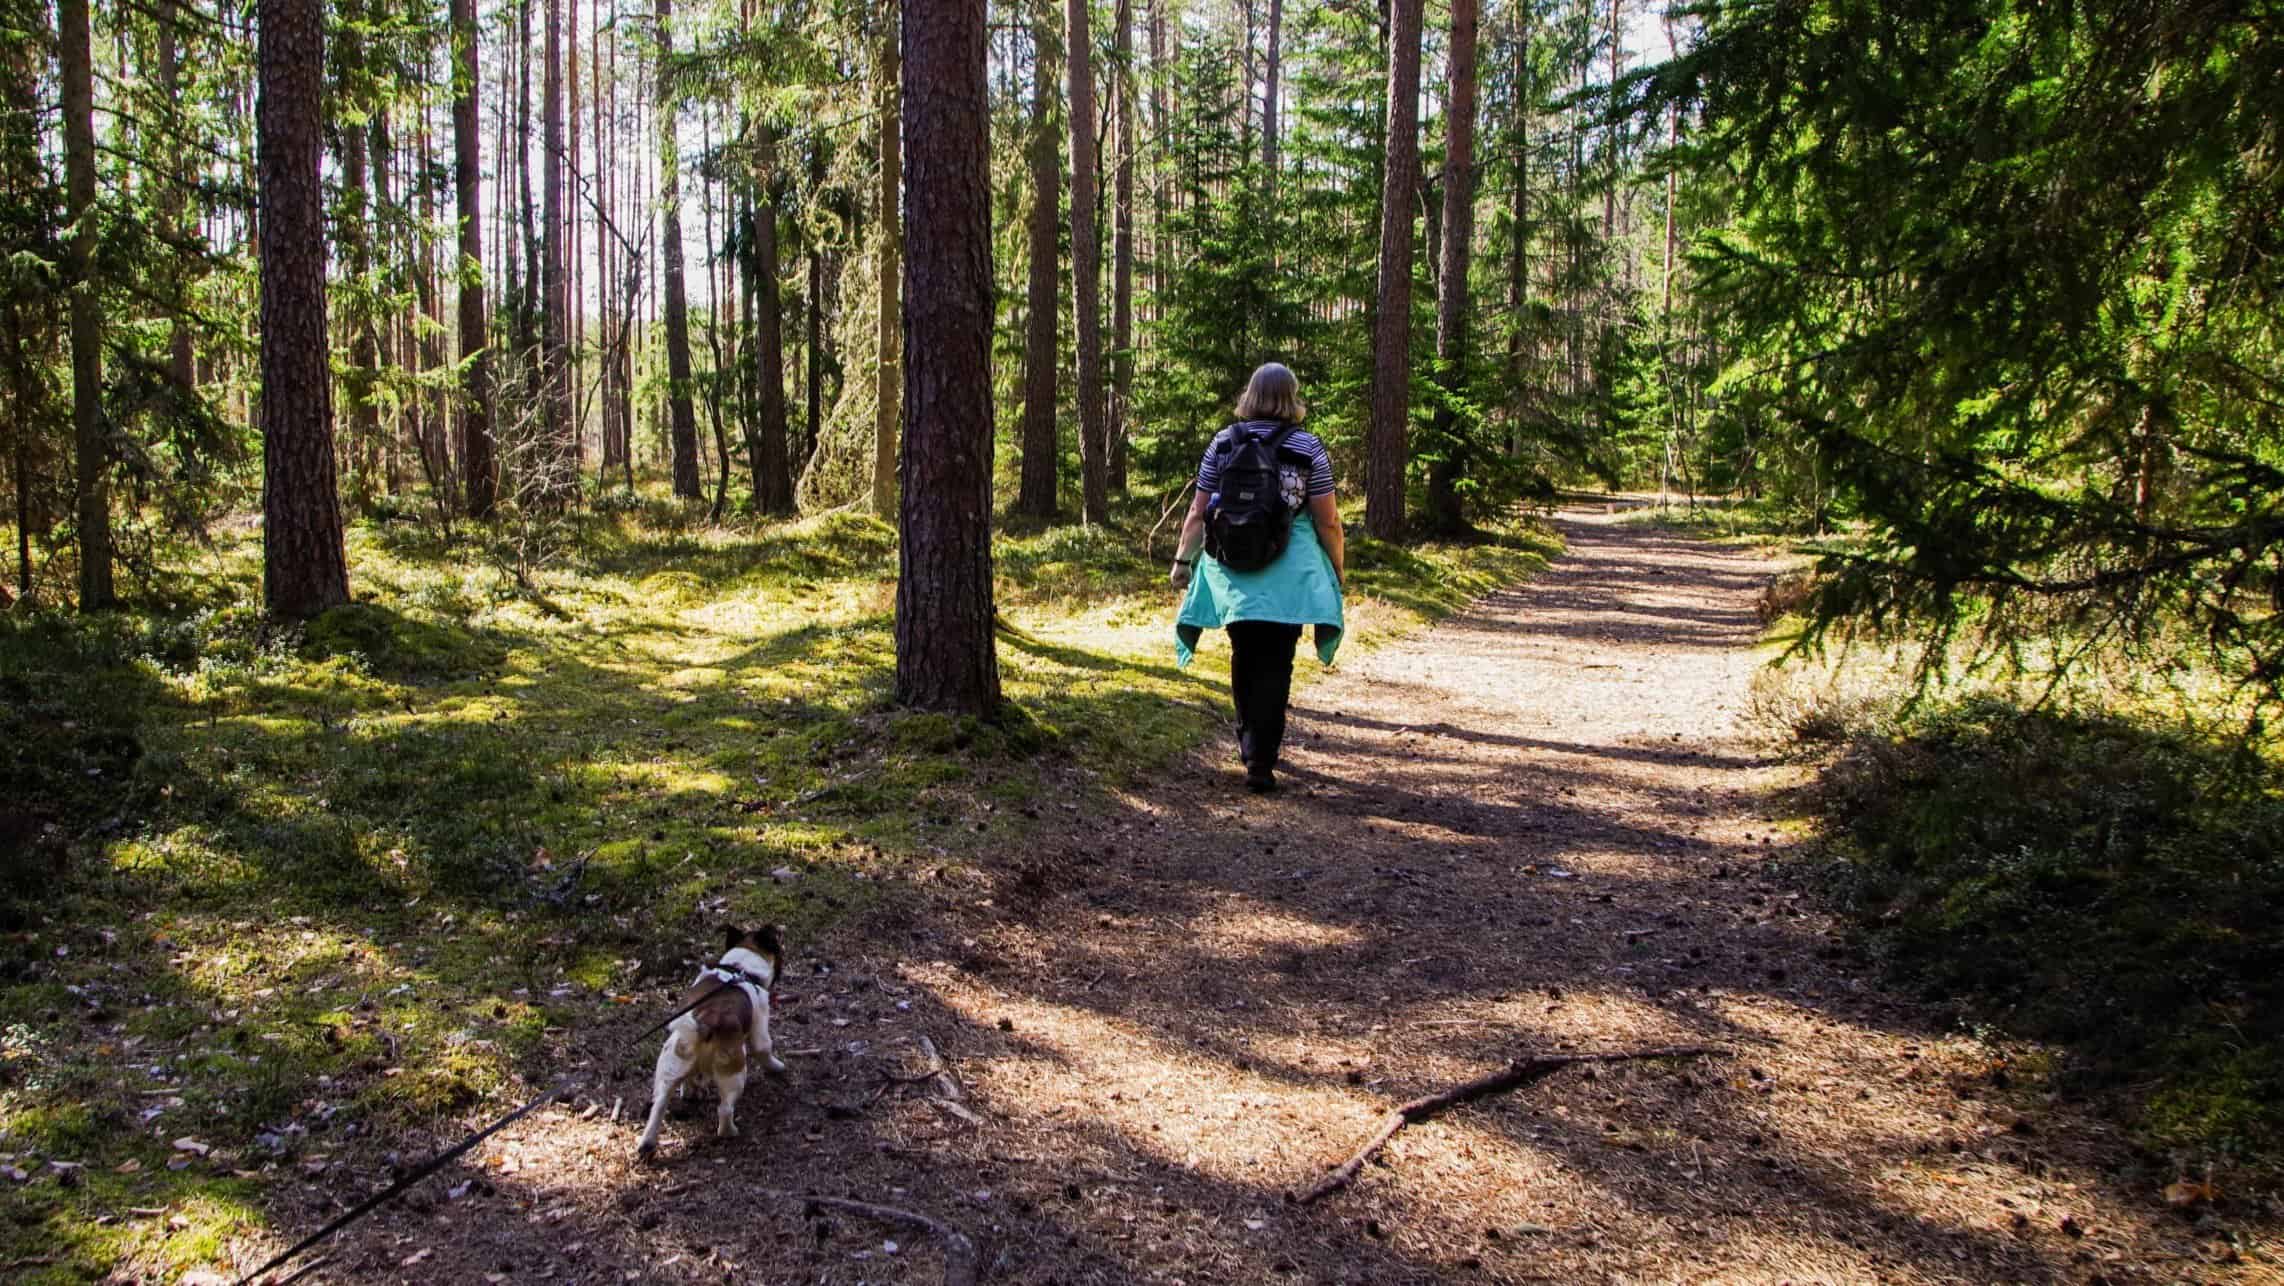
(732, 935)
(766, 938)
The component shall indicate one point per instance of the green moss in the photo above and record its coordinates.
(393, 644)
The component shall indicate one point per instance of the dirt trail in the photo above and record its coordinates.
(1539, 826)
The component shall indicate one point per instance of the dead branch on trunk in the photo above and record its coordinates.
(959, 1250)
(1514, 1076)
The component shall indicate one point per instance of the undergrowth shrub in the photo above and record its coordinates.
(2111, 884)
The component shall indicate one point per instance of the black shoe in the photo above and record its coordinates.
(1260, 780)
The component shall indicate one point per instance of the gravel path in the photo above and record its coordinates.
(1537, 827)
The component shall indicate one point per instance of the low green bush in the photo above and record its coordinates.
(2111, 884)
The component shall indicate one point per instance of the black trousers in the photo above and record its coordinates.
(1260, 681)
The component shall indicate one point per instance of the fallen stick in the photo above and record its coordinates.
(959, 1251)
(1514, 1076)
(934, 1068)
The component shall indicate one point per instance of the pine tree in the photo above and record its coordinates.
(92, 461)
(945, 654)
(1086, 268)
(1042, 358)
(304, 567)
(478, 469)
(684, 425)
(1392, 328)
(1453, 306)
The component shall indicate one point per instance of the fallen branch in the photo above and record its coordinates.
(1514, 1076)
(944, 1078)
(934, 1068)
(959, 1251)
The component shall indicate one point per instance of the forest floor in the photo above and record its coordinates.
(1543, 825)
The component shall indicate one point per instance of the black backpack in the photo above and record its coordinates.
(1249, 522)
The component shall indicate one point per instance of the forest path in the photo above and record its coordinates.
(1539, 826)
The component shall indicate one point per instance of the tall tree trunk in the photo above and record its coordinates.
(1042, 356)
(304, 567)
(773, 476)
(888, 409)
(527, 229)
(1122, 249)
(383, 154)
(1269, 93)
(1452, 311)
(814, 341)
(946, 657)
(1161, 116)
(479, 467)
(1385, 449)
(559, 458)
(618, 302)
(1610, 192)
(26, 315)
(180, 366)
(357, 222)
(1086, 270)
(91, 472)
(1519, 215)
(575, 316)
(684, 426)
(436, 450)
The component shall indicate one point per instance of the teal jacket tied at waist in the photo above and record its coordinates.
(1297, 589)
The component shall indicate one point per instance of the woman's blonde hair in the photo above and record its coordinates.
(1272, 394)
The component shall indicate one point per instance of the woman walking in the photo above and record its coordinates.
(1277, 563)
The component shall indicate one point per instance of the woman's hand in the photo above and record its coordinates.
(1179, 575)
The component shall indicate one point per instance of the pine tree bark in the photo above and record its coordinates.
(889, 390)
(26, 314)
(1445, 514)
(356, 245)
(304, 567)
(773, 476)
(1386, 450)
(575, 318)
(946, 657)
(180, 366)
(1524, 95)
(478, 465)
(683, 426)
(1161, 118)
(1269, 93)
(1042, 356)
(1122, 248)
(1086, 269)
(524, 284)
(558, 459)
(814, 341)
(91, 473)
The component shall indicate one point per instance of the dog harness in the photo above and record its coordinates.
(727, 972)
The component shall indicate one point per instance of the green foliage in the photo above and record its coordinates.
(2112, 884)
(1227, 305)
(2006, 275)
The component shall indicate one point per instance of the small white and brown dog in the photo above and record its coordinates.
(727, 1026)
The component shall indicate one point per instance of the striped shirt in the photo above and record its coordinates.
(1299, 444)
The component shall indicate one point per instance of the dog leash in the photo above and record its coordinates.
(457, 1150)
